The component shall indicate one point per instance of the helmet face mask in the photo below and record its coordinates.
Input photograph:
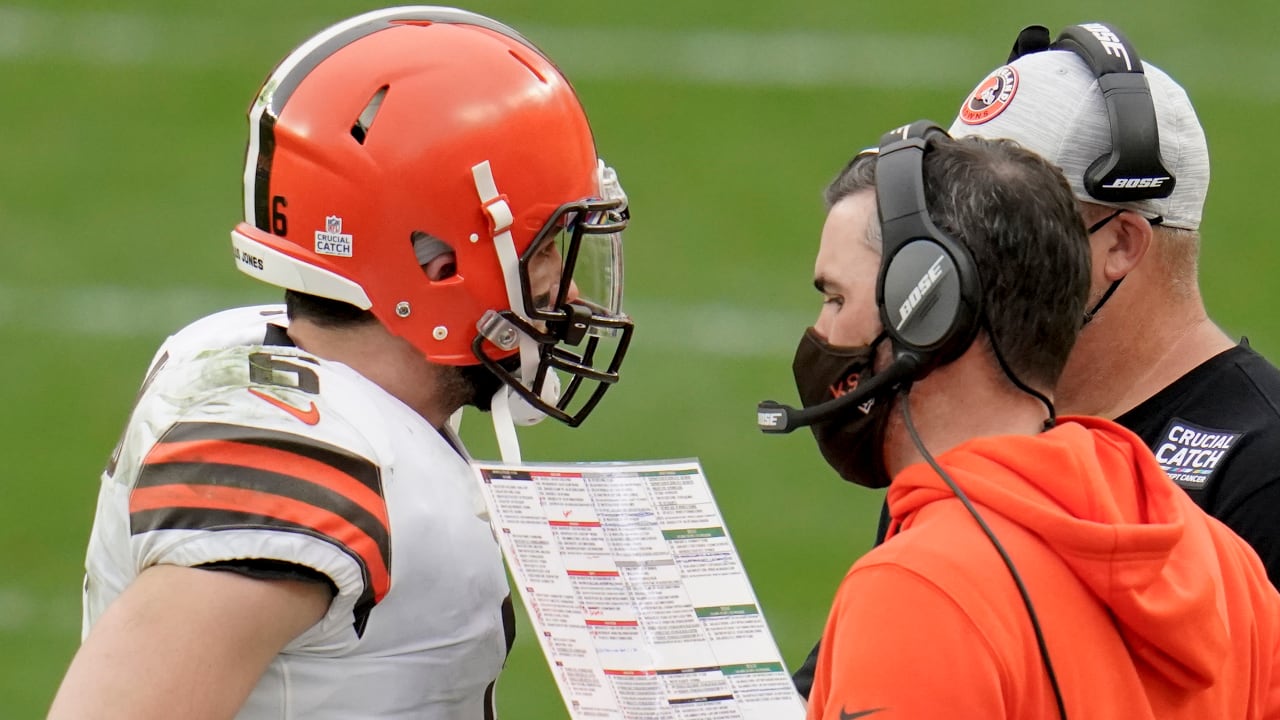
(372, 133)
(582, 335)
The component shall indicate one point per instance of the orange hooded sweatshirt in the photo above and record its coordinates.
(1149, 607)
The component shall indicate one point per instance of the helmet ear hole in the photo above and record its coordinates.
(435, 256)
(360, 129)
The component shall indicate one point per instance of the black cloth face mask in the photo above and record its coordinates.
(852, 442)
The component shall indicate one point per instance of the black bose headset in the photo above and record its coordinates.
(939, 325)
(927, 289)
(929, 296)
(1133, 169)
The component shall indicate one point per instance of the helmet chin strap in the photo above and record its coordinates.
(500, 220)
(504, 427)
(508, 408)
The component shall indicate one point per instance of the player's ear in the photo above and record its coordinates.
(436, 258)
(442, 266)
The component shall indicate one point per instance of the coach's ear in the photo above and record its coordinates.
(1119, 246)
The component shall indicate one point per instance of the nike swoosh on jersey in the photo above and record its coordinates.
(218, 476)
(310, 416)
(846, 715)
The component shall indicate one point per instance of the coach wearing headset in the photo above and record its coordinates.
(1133, 151)
(1032, 568)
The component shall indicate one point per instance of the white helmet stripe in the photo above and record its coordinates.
(274, 267)
(267, 96)
(291, 71)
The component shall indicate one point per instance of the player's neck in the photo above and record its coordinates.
(384, 359)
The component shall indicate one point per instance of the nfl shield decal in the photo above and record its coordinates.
(1191, 454)
(332, 241)
(991, 96)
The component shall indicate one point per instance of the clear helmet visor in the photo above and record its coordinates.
(579, 262)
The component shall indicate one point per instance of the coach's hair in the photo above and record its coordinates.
(1016, 214)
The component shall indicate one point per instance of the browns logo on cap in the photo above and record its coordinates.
(991, 96)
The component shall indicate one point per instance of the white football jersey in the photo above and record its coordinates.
(244, 448)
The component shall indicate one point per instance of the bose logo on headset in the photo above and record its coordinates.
(1152, 182)
(926, 283)
(1110, 42)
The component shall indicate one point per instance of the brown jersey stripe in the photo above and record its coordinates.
(224, 454)
(177, 518)
(201, 507)
(268, 484)
(362, 469)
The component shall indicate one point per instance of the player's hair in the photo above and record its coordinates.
(1017, 215)
(334, 313)
(325, 312)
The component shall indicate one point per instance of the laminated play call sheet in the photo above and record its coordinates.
(637, 595)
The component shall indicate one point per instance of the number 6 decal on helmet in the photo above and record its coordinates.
(478, 146)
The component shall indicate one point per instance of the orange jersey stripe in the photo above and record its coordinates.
(218, 497)
(260, 457)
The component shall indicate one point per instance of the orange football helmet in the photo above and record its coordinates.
(428, 122)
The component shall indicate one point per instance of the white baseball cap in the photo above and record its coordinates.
(1050, 103)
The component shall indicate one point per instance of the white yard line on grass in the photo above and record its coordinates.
(715, 329)
(23, 610)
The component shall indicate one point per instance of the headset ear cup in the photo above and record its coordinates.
(928, 298)
(1133, 170)
(928, 290)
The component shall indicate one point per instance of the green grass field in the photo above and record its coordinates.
(120, 158)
